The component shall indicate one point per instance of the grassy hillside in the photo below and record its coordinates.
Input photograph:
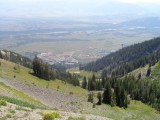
(155, 74)
(22, 74)
(135, 111)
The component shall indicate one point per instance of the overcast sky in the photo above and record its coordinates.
(51, 8)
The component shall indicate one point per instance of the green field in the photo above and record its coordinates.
(82, 73)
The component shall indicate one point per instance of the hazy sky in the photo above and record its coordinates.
(51, 8)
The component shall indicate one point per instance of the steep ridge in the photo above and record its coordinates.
(127, 59)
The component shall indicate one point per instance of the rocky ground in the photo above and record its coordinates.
(66, 104)
(14, 112)
(51, 98)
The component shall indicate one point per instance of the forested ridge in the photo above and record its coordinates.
(118, 86)
(127, 59)
(16, 58)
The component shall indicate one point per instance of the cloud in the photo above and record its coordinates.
(139, 1)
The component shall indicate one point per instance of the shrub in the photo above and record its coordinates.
(9, 116)
(3, 103)
(15, 68)
(79, 118)
(99, 96)
(50, 116)
(14, 76)
(71, 93)
(91, 97)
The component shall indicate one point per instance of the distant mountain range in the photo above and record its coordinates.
(147, 22)
(22, 26)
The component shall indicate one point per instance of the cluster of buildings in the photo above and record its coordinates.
(60, 59)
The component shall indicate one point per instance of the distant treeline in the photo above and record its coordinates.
(127, 59)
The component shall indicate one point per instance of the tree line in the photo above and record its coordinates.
(45, 71)
(119, 91)
(115, 95)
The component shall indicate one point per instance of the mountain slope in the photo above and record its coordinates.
(19, 87)
(127, 59)
(22, 80)
(68, 97)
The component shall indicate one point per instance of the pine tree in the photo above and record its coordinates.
(152, 94)
(46, 72)
(84, 83)
(148, 72)
(117, 90)
(122, 98)
(103, 82)
(94, 78)
(89, 84)
(107, 93)
(125, 101)
(139, 76)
